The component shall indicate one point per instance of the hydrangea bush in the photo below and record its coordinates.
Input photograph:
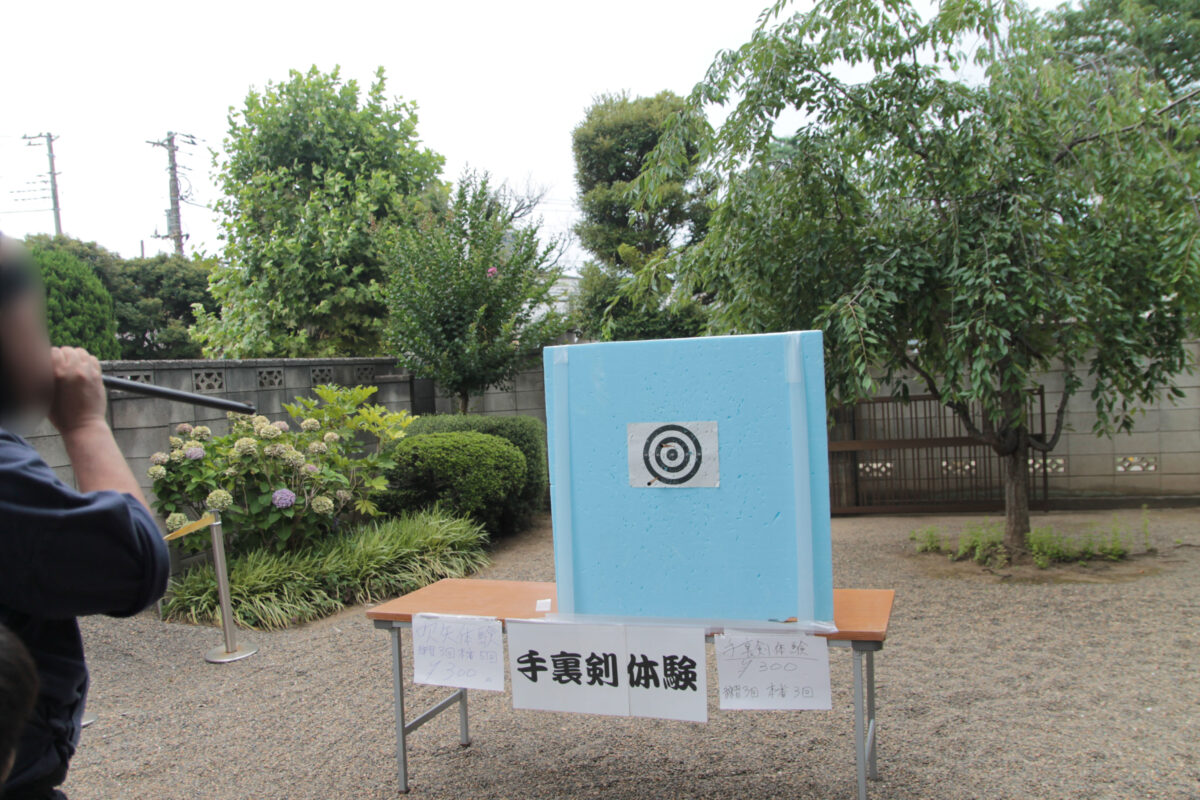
(280, 484)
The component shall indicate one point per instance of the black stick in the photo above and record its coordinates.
(178, 396)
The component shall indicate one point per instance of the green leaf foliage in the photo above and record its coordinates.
(152, 297)
(470, 295)
(603, 312)
(1162, 36)
(79, 310)
(324, 459)
(270, 590)
(960, 235)
(527, 434)
(467, 473)
(610, 148)
(311, 170)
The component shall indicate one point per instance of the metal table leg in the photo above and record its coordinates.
(403, 727)
(464, 735)
(872, 731)
(860, 734)
(398, 699)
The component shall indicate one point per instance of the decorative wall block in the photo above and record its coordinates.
(1137, 463)
(321, 375)
(138, 377)
(875, 469)
(959, 466)
(1055, 465)
(208, 381)
(364, 374)
(270, 378)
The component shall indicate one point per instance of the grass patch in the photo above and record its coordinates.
(983, 543)
(270, 590)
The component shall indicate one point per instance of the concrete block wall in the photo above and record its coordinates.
(1161, 456)
(526, 397)
(142, 424)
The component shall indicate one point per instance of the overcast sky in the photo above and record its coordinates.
(499, 86)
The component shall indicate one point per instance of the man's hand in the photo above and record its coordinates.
(79, 397)
(78, 412)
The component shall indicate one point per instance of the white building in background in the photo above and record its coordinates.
(564, 289)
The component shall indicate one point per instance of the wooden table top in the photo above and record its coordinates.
(860, 615)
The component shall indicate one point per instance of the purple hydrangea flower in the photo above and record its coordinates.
(283, 498)
(283, 426)
(194, 453)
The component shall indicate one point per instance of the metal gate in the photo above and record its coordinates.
(887, 455)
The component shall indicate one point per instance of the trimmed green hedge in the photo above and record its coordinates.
(466, 473)
(528, 434)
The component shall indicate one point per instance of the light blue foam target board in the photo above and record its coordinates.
(689, 478)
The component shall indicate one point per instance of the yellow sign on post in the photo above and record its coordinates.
(191, 527)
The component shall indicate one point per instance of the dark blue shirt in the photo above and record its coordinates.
(63, 554)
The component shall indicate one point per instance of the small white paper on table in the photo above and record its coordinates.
(568, 667)
(773, 671)
(667, 673)
(463, 652)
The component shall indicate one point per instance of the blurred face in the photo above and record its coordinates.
(25, 353)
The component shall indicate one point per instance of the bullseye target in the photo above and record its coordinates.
(673, 454)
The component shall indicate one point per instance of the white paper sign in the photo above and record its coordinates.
(673, 455)
(465, 652)
(781, 671)
(568, 667)
(614, 670)
(666, 672)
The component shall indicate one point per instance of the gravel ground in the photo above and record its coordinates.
(1073, 683)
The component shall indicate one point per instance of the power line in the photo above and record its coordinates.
(49, 140)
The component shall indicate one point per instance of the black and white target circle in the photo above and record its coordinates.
(672, 454)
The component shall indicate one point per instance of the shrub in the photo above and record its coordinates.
(469, 474)
(271, 590)
(929, 539)
(527, 434)
(283, 485)
(983, 544)
(79, 310)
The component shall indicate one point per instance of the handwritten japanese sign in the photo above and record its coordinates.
(614, 670)
(780, 671)
(466, 652)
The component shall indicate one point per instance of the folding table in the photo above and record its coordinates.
(861, 617)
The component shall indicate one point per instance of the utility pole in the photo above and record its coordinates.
(49, 139)
(174, 222)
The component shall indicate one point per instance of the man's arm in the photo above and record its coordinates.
(78, 413)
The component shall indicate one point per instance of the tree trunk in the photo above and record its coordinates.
(1016, 497)
(464, 400)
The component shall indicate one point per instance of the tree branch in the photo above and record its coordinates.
(1059, 418)
(1091, 137)
(958, 407)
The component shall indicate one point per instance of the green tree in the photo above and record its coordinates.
(602, 311)
(1160, 35)
(963, 236)
(152, 297)
(471, 295)
(610, 148)
(311, 171)
(79, 311)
